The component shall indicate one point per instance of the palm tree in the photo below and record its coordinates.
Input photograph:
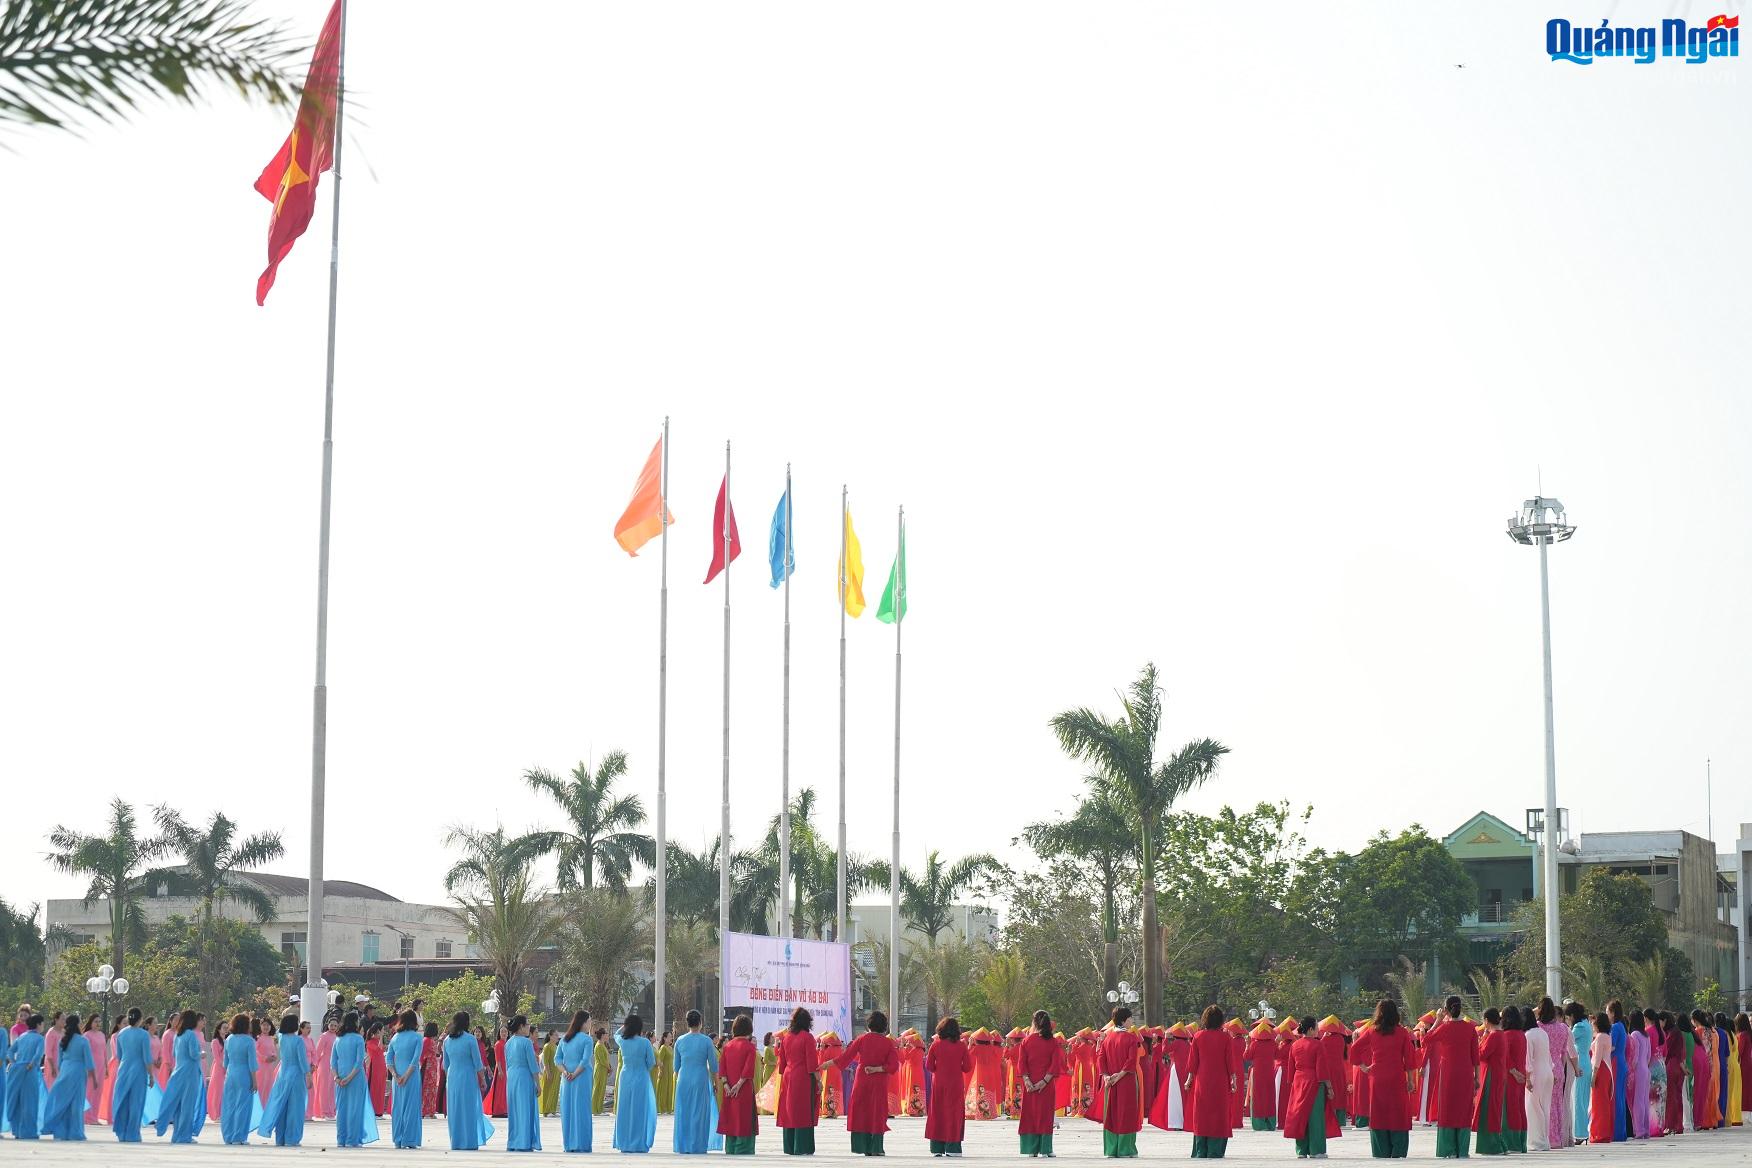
(1410, 984)
(603, 938)
(1101, 834)
(1492, 988)
(212, 858)
(602, 836)
(1587, 978)
(119, 866)
(948, 970)
(690, 957)
(498, 902)
(814, 888)
(875, 955)
(1008, 988)
(927, 900)
(1123, 753)
(22, 951)
(61, 60)
(1648, 979)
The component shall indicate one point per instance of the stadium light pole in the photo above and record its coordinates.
(1541, 523)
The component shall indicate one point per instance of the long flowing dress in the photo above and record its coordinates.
(216, 1078)
(1655, 1106)
(1122, 1109)
(405, 1058)
(1604, 1090)
(1390, 1060)
(1743, 1060)
(496, 1099)
(599, 1077)
(310, 1087)
(1261, 1056)
(1312, 1116)
(1490, 1111)
(24, 1085)
(635, 1100)
(355, 1125)
(1673, 1122)
(1514, 1091)
(875, 1062)
(1559, 1041)
(696, 1061)
(267, 1064)
(738, 1119)
(1636, 1092)
(1538, 1091)
(431, 1077)
(1620, 1083)
(237, 1106)
(949, 1064)
(64, 1114)
(468, 1124)
(100, 1067)
(1724, 1057)
(1702, 1080)
(376, 1076)
(166, 1057)
(133, 1071)
(664, 1080)
(1452, 1046)
(322, 1078)
(550, 1077)
(1214, 1069)
(184, 1102)
(522, 1095)
(1582, 1035)
(576, 1059)
(283, 1117)
(1039, 1059)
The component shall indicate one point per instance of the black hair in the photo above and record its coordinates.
(1602, 1021)
(34, 1022)
(949, 1029)
(1575, 1012)
(801, 1020)
(693, 1019)
(459, 1024)
(70, 1030)
(579, 1018)
(1637, 1020)
(410, 1020)
(878, 1022)
(1386, 1016)
(289, 1024)
(133, 1015)
(185, 1021)
(633, 1026)
(1309, 1026)
(1547, 1010)
(1211, 1018)
(1511, 1018)
(350, 1022)
(1121, 1015)
(518, 1022)
(1043, 1023)
(1494, 1016)
(743, 1027)
(1454, 1005)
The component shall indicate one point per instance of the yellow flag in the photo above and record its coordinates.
(851, 571)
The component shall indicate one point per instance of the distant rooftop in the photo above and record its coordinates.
(300, 886)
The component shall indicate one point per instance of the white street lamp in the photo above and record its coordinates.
(103, 985)
(1541, 523)
(1123, 993)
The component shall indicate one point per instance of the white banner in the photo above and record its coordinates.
(768, 977)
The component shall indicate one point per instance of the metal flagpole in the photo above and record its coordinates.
(785, 749)
(724, 807)
(660, 926)
(894, 870)
(840, 879)
(313, 998)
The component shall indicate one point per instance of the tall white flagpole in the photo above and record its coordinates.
(660, 925)
(840, 879)
(894, 869)
(313, 998)
(724, 807)
(785, 749)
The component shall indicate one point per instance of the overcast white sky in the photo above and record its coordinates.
(1221, 337)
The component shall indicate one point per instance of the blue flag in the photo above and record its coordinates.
(783, 564)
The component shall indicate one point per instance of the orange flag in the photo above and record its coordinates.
(644, 516)
(289, 181)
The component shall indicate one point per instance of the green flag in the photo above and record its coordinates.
(893, 606)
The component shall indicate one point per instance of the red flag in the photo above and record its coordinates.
(723, 522)
(289, 182)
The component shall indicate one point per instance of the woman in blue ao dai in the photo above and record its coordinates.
(635, 1098)
(288, 1099)
(465, 1080)
(522, 1089)
(404, 1070)
(576, 1060)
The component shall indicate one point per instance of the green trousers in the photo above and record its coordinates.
(1264, 1123)
(1453, 1143)
(1313, 1141)
(1037, 1145)
(1517, 1139)
(1343, 1117)
(739, 1145)
(945, 1148)
(1209, 1148)
(867, 1144)
(1493, 1143)
(1359, 1121)
(1385, 1145)
(798, 1141)
(1123, 1145)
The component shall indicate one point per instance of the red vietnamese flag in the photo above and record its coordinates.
(289, 181)
(723, 532)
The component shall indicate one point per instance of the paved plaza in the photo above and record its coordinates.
(1077, 1140)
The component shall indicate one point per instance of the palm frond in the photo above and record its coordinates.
(65, 60)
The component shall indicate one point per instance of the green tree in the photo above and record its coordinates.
(22, 953)
(1409, 984)
(603, 938)
(62, 61)
(873, 956)
(1609, 918)
(495, 898)
(1100, 837)
(1681, 978)
(234, 961)
(159, 982)
(814, 877)
(1054, 916)
(1401, 894)
(949, 970)
(1007, 989)
(213, 857)
(119, 868)
(464, 993)
(1122, 752)
(602, 836)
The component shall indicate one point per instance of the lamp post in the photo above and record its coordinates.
(1123, 994)
(103, 985)
(407, 953)
(1541, 523)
